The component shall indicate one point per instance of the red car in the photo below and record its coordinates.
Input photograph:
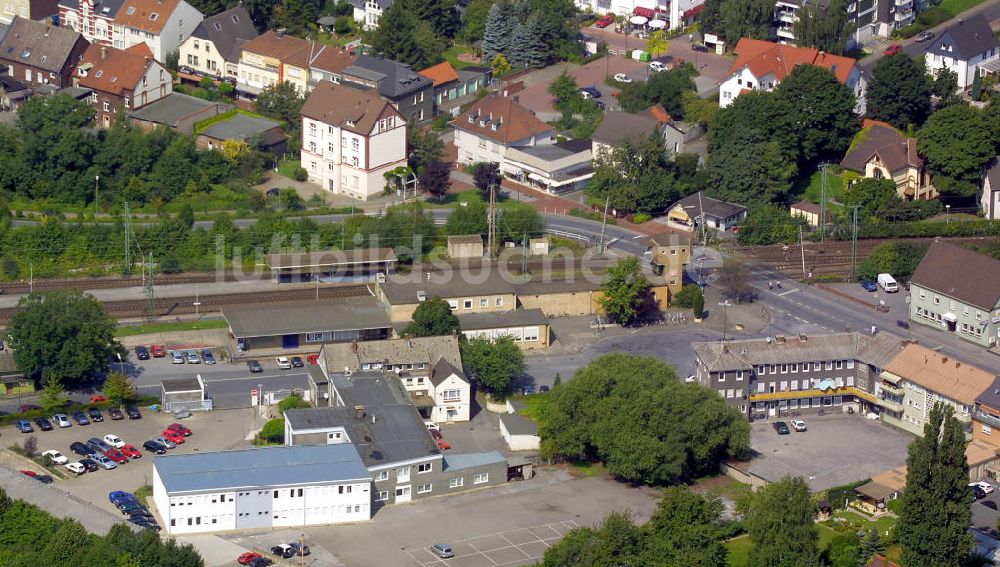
(158, 351)
(116, 456)
(435, 433)
(27, 407)
(443, 445)
(247, 557)
(131, 452)
(605, 21)
(313, 359)
(173, 436)
(97, 398)
(893, 49)
(180, 429)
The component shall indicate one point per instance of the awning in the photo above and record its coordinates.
(875, 491)
(693, 11)
(825, 385)
(657, 24)
(644, 12)
(950, 317)
(638, 20)
(248, 89)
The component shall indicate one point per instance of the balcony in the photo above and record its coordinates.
(892, 388)
(988, 419)
(814, 393)
(786, 33)
(904, 3)
(787, 17)
(904, 16)
(891, 404)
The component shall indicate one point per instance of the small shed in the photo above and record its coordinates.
(874, 495)
(465, 246)
(808, 211)
(538, 246)
(184, 394)
(12, 381)
(520, 433)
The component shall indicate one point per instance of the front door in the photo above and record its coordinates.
(290, 341)
(403, 493)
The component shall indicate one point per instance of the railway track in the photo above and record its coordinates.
(167, 307)
(21, 288)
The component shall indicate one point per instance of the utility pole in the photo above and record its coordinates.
(150, 295)
(491, 221)
(822, 201)
(854, 241)
(197, 302)
(31, 278)
(97, 203)
(604, 225)
(128, 241)
(802, 249)
(524, 253)
(701, 223)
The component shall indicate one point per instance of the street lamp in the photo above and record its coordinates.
(97, 206)
(947, 212)
(725, 317)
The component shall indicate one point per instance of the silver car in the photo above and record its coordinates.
(165, 442)
(193, 358)
(177, 357)
(442, 550)
(62, 420)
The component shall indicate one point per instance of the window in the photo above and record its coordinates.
(425, 468)
(456, 483)
(805, 367)
(784, 369)
(829, 365)
(106, 107)
(795, 367)
(987, 429)
(452, 395)
(850, 364)
(424, 488)
(403, 474)
(761, 370)
(739, 375)
(467, 304)
(816, 366)
(453, 303)
(381, 475)
(499, 302)
(382, 496)
(722, 376)
(772, 369)
(531, 334)
(481, 478)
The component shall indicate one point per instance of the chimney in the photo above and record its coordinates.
(359, 412)
(515, 98)
(280, 32)
(944, 359)
(104, 52)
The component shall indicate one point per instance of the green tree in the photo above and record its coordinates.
(734, 278)
(274, 431)
(624, 290)
(899, 91)
(175, 168)
(500, 66)
(636, 416)
(467, 220)
(712, 21)
(617, 541)
(474, 20)
(875, 196)
(684, 530)
(119, 388)
(945, 87)
(499, 29)
(752, 172)
(935, 513)
(636, 175)
(824, 119)
(770, 224)
(186, 215)
(977, 87)
(281, 101)
(957, 143)
(555, 382)
(665, 88)
(440, 15)
(697, 109)
(746, 18)
(529, 38)
(870, 545)
(496, 364)
(53, 396)
(657, 44)
(826, 28)
(686, 296)
(63, 334)
(698, 309)
(486, 177)
(781, 526)
(897, 258)
(293, 401)
(431, 318)
(565, 91)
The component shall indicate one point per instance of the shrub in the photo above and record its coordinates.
(686, 296)
(641, 218)
(299, 173)
(294, 401)
(273, 431)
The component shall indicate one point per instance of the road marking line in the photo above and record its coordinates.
(515, 546)
(784, 293)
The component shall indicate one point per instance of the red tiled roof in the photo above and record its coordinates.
(112, 70)
(441, 73)
(767, 58)
(513, 121)
(146, 15)
(141, 49)
(281, 47)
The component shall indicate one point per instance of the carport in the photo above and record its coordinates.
(184, 394)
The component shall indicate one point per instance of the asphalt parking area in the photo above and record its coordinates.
(522, 546)
(833, 451)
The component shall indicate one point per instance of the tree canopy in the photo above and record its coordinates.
(531, 33)
(431, 318)
(746, 18)
(64, 335)
(899, 91)
(496, 364)
(935, 513)
(402, 36)
(666, 88)
(899, 258)
(624, 291)
(641, 421)
(637, 175)
(780, 524)
(957, 143)
(826, 28)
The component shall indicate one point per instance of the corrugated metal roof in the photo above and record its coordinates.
(459, 461)
(307, 317)
(260, 468)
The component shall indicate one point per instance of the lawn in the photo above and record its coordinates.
(881, 525)
(954, 7)
(288, 168)
(739, 548)
(452, 53)
(466, 198)
(150, 328)
(834, 188)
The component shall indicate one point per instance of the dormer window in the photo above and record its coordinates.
(98, 74)
(154, 16)
(130, 11)
(217, 26)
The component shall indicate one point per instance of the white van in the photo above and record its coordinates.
(888, 283)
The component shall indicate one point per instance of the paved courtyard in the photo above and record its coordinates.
(835, 450)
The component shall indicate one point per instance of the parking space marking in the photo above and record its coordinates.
(533, 536)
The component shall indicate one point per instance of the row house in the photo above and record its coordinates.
(350, 139)
(163, 25)
(963, 49)
(38, 54)
(275, 57)
(887, 153)
(778, 375)
(409, 92)
(28, 9)
(121, 81)
(494, 124)
(761, 65)
(917, 378)
(213, 49)
(967, 306)
(94, 19)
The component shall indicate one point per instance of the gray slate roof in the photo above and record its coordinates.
(227, 30)
(993, 173)
(713, 207)
(746, 354)
(893, 148)
(501, 319)
(307, 317)
(961, 274)
(418, 350)
(3, 31)
(967, 38)
(443, 369)
(617, 126)
(260, 468)
(173, 108)
(551, 152)
(105, 8)
(395, 79)
(991, 396)
(518, 424)
(459, 461)
(39, 44)
(240, 127)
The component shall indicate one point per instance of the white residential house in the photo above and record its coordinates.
(163, 25)
(989, 190)
(367, 12)
(485, 131)
(677, 13)
(761, 65)
(261, 488)
(214, 48)
(962, 49)
(350, 139)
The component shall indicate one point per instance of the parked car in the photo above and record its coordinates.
(145, 522)
(622, 78)
(24, 426)
(254, 366)
(605, 21)
(798, 425)
(42, 478)
(131, 452)
(80, 418)
(443, 445)
(173, 436)
(313, 358)
(283, 362)
(116, 456)
(142, 353)
(543, 389)
(98, 445)
(700, 47)
(892, 49)
(165, 442)
(442, 550)
(114, 440)
(119, 496)
(62, 420)
(81, 449)
(158, 351)
(43, 424)
(180, 429)
(154, 447)
(207, 356)
(283, 550)
(869, 285)
(57, 457)
(977, 492)
(104, 462)
(97, 398)
(129, 508)
(132, 412)
(115, 414)
(247, 557)
(781, 427)
(985, 486)
(657, 66)
(27, 407)
(192, 357)
(260, 562)
(436, 433)
(176, 357)
(528, 390)
(925, 36)
(76, 468)
(299, 550)
(89, 464)
(297, 362)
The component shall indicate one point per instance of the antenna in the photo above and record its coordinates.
(492, 222)
(150, 296)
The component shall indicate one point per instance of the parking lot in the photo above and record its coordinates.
(833, 451)
(513, 547)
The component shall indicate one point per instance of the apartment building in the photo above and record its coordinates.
(490, 127)
(28, 9)
(676, 13)
(262, 63)
(121, 81)
(38, 54)
(350, 139)
(213, 49)
(94, 19)
(409, 92)
(870, 19)
(163, 25)
(777, 375)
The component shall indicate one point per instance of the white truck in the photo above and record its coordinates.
(888, 283)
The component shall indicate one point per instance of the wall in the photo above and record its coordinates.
(924, 310)
(562, 304)
(459, 409)
(517, 333)
(206, 54)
